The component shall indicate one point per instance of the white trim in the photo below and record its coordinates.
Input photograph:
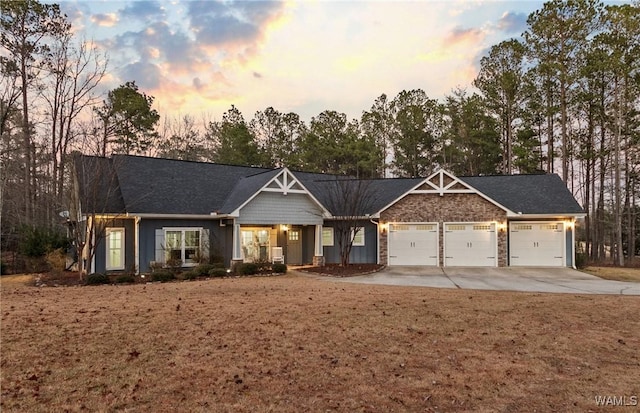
(285, 188)
(333, 239)
(444, 189)
(136, 244)
(514, 217)
(123, 250)
(318, 247)
(183, 247)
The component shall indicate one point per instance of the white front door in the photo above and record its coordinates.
(536, 244)
(413, 244)
(470, 244)
(115, 249)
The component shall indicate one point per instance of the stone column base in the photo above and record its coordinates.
(318, 261)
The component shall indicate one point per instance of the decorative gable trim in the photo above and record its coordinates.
(442, 182)
(285, 183)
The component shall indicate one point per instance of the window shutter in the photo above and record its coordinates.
(204, 243)
(159, 246)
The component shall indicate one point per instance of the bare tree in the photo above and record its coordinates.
(350, 201)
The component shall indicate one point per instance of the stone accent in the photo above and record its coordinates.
(441, 209)
(318, 261)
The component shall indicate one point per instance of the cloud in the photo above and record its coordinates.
(143, 10)
(511, 22)
(460, 35)
(227, 23)
(147, 75)
(104, 19)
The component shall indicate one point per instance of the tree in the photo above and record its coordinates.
(234, 144)
(349, 200)
(555, 37)
(127, 120)
(181, 139)
(501, 82)
(278, 136)
(75, 73)
(418, 126)
(26, 25)
(334, 145)
(377, 125)
(471, 142)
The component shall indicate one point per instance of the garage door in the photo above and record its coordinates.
(470, 244)
(536, 244)
(413, 244)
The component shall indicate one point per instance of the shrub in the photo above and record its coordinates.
(217, 265)
(37, 241)
(262, 265)
(174, 264)
(163, 276)
(57, 260)
(191, 275)
(279, 268)
(218, 272)
(97, 279)
(3, 268)
(125, 279)
(582, 260)
(203, 269)
(246, 268)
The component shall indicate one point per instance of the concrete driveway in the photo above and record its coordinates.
(547, 280)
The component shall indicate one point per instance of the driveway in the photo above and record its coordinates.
(547, 280)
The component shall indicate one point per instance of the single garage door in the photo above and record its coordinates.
(536, 244)
(470, 244)
(413, 244)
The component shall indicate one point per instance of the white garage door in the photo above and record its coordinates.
(470, 244)
(536, 244)
(413, 244)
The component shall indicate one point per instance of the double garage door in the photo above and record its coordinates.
(465, 244)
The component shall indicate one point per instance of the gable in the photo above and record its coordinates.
(271, 208)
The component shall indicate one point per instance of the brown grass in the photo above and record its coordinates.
(615, 273)
(294, 344)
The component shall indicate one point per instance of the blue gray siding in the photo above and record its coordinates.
(569, 248)
(219, 237)
(101, 248)
(269, 208)
(367, 254)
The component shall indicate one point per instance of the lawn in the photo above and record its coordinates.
(299, 344)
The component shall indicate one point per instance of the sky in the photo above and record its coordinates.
(200, 57)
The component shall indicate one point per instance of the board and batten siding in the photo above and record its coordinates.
(129, 241)
(269, 208)
(367, 254)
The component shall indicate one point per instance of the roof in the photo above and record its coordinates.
(142, 185)
(527, 194)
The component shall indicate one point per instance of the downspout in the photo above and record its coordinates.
(573, 243)
(136, 244)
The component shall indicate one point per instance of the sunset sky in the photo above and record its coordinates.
(200, 57)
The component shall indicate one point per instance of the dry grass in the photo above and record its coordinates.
(615, 273)
(293, 344)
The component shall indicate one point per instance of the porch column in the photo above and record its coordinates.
(237, 255)
(318, 256)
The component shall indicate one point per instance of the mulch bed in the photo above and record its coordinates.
(335, 270)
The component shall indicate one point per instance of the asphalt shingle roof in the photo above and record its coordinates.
(528, 194)
(136, 184)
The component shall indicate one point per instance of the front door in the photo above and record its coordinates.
(294, 247)
(115, 248)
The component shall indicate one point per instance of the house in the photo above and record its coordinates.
(139, 210)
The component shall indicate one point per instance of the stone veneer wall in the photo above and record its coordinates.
(446, 208)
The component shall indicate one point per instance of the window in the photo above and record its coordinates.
(182, 244)
(358, 236)
(115, 248)
(327, 237)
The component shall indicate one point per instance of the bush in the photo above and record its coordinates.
(97, 279)
(191, 275)
(163, 276)
(582, 260)
(57, 260)
(37, 241)
(262, 265)
(279, 268)
(125, 279)
(174, 264)
(247, 268)
(3, 268)
(202, 270)
(218, 272)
